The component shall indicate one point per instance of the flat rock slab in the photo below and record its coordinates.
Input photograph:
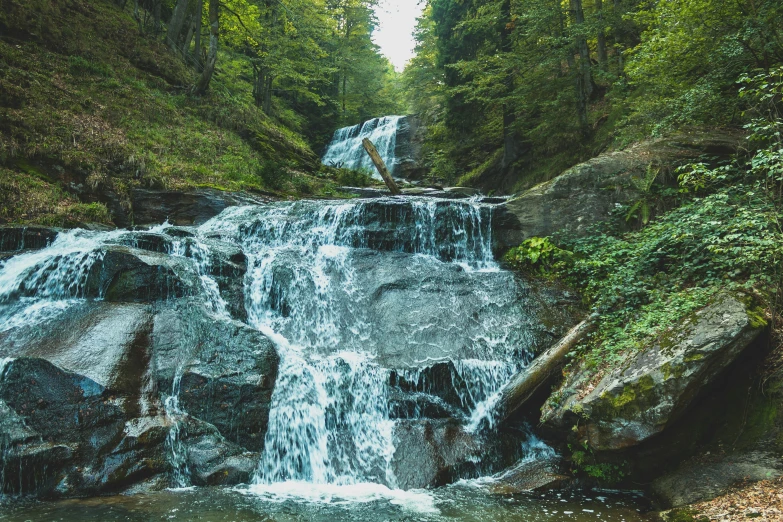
(697, 481)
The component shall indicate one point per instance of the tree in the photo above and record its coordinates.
(204, 80)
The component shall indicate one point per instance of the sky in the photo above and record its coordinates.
(395, 35)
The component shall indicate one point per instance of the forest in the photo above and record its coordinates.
(598, 197)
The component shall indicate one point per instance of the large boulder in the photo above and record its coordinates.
(432, 453)
(409, 160)
(223, 371)
(655, 386)
(587, 193)
(85, 412)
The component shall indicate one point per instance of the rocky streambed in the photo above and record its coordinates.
(305, 348)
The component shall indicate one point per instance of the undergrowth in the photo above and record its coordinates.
(725, 236)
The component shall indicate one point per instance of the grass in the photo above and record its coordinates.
(90, 106)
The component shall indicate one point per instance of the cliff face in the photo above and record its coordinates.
(410, 138)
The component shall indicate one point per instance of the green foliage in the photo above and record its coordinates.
(538, 255)
(567, 79)
(353, 178)
(725, 237)
(584, 461)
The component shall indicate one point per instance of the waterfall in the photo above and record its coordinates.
(316, 271)
(370, 303)
(346, 148)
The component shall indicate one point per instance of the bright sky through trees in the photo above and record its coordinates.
(395, 35)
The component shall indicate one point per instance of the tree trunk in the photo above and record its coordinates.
(156, 6)
(197, 46)
(583, 76)
(267, 108)
(202, 86)
(381, 166)
(524, 384)
(601, 38)
(509, 116)
(176, 23)
(191, 24)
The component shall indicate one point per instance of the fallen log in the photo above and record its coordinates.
(381, 166)
(519, 390)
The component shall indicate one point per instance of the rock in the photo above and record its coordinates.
(698, 481)
(530, 474)
(82, 412)
(587, 193)
(19, 238)
(415, 405)
(464, 192)
(213, 461)
(187, 207)
(432, 453)
(100, 341)
(151, 242)
(125, 274)
(72, 413)
(228, 371)
(409, 162)
(656, 385)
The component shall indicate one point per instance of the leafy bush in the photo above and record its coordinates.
(353, 178)
(726, 236)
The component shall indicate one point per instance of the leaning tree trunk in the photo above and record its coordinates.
(524, 384)
(202, 86)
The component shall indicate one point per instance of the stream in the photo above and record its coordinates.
(394, 330)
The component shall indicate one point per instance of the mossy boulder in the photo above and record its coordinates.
(655, 385)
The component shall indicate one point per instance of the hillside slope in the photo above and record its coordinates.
(91, 108)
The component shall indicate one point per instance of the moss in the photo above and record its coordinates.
(684, 515)
(756, 317)
(633, 398)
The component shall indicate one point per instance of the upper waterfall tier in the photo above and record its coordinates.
(346, 148)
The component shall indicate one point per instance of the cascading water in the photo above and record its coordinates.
(346, 148)
(354, 293)
(373, 305)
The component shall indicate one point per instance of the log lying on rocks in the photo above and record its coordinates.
(526, 383)
(381, 166)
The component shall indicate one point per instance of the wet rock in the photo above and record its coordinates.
(656, 385)
(139, 456)
(432, 453)
(587, 193)
(19, 238)
(214, 461)
(414, 405)
(228, 371)
(696, 481)
(151, 242)
(72, 413)
(409, 162)
(188, 207)
(530, 474)
(97, 340)
(95, 391)
(126, 274)
(33, 467)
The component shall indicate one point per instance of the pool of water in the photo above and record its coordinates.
(466, 501)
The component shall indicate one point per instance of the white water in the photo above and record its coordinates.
(321, 283)
(346, 149)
